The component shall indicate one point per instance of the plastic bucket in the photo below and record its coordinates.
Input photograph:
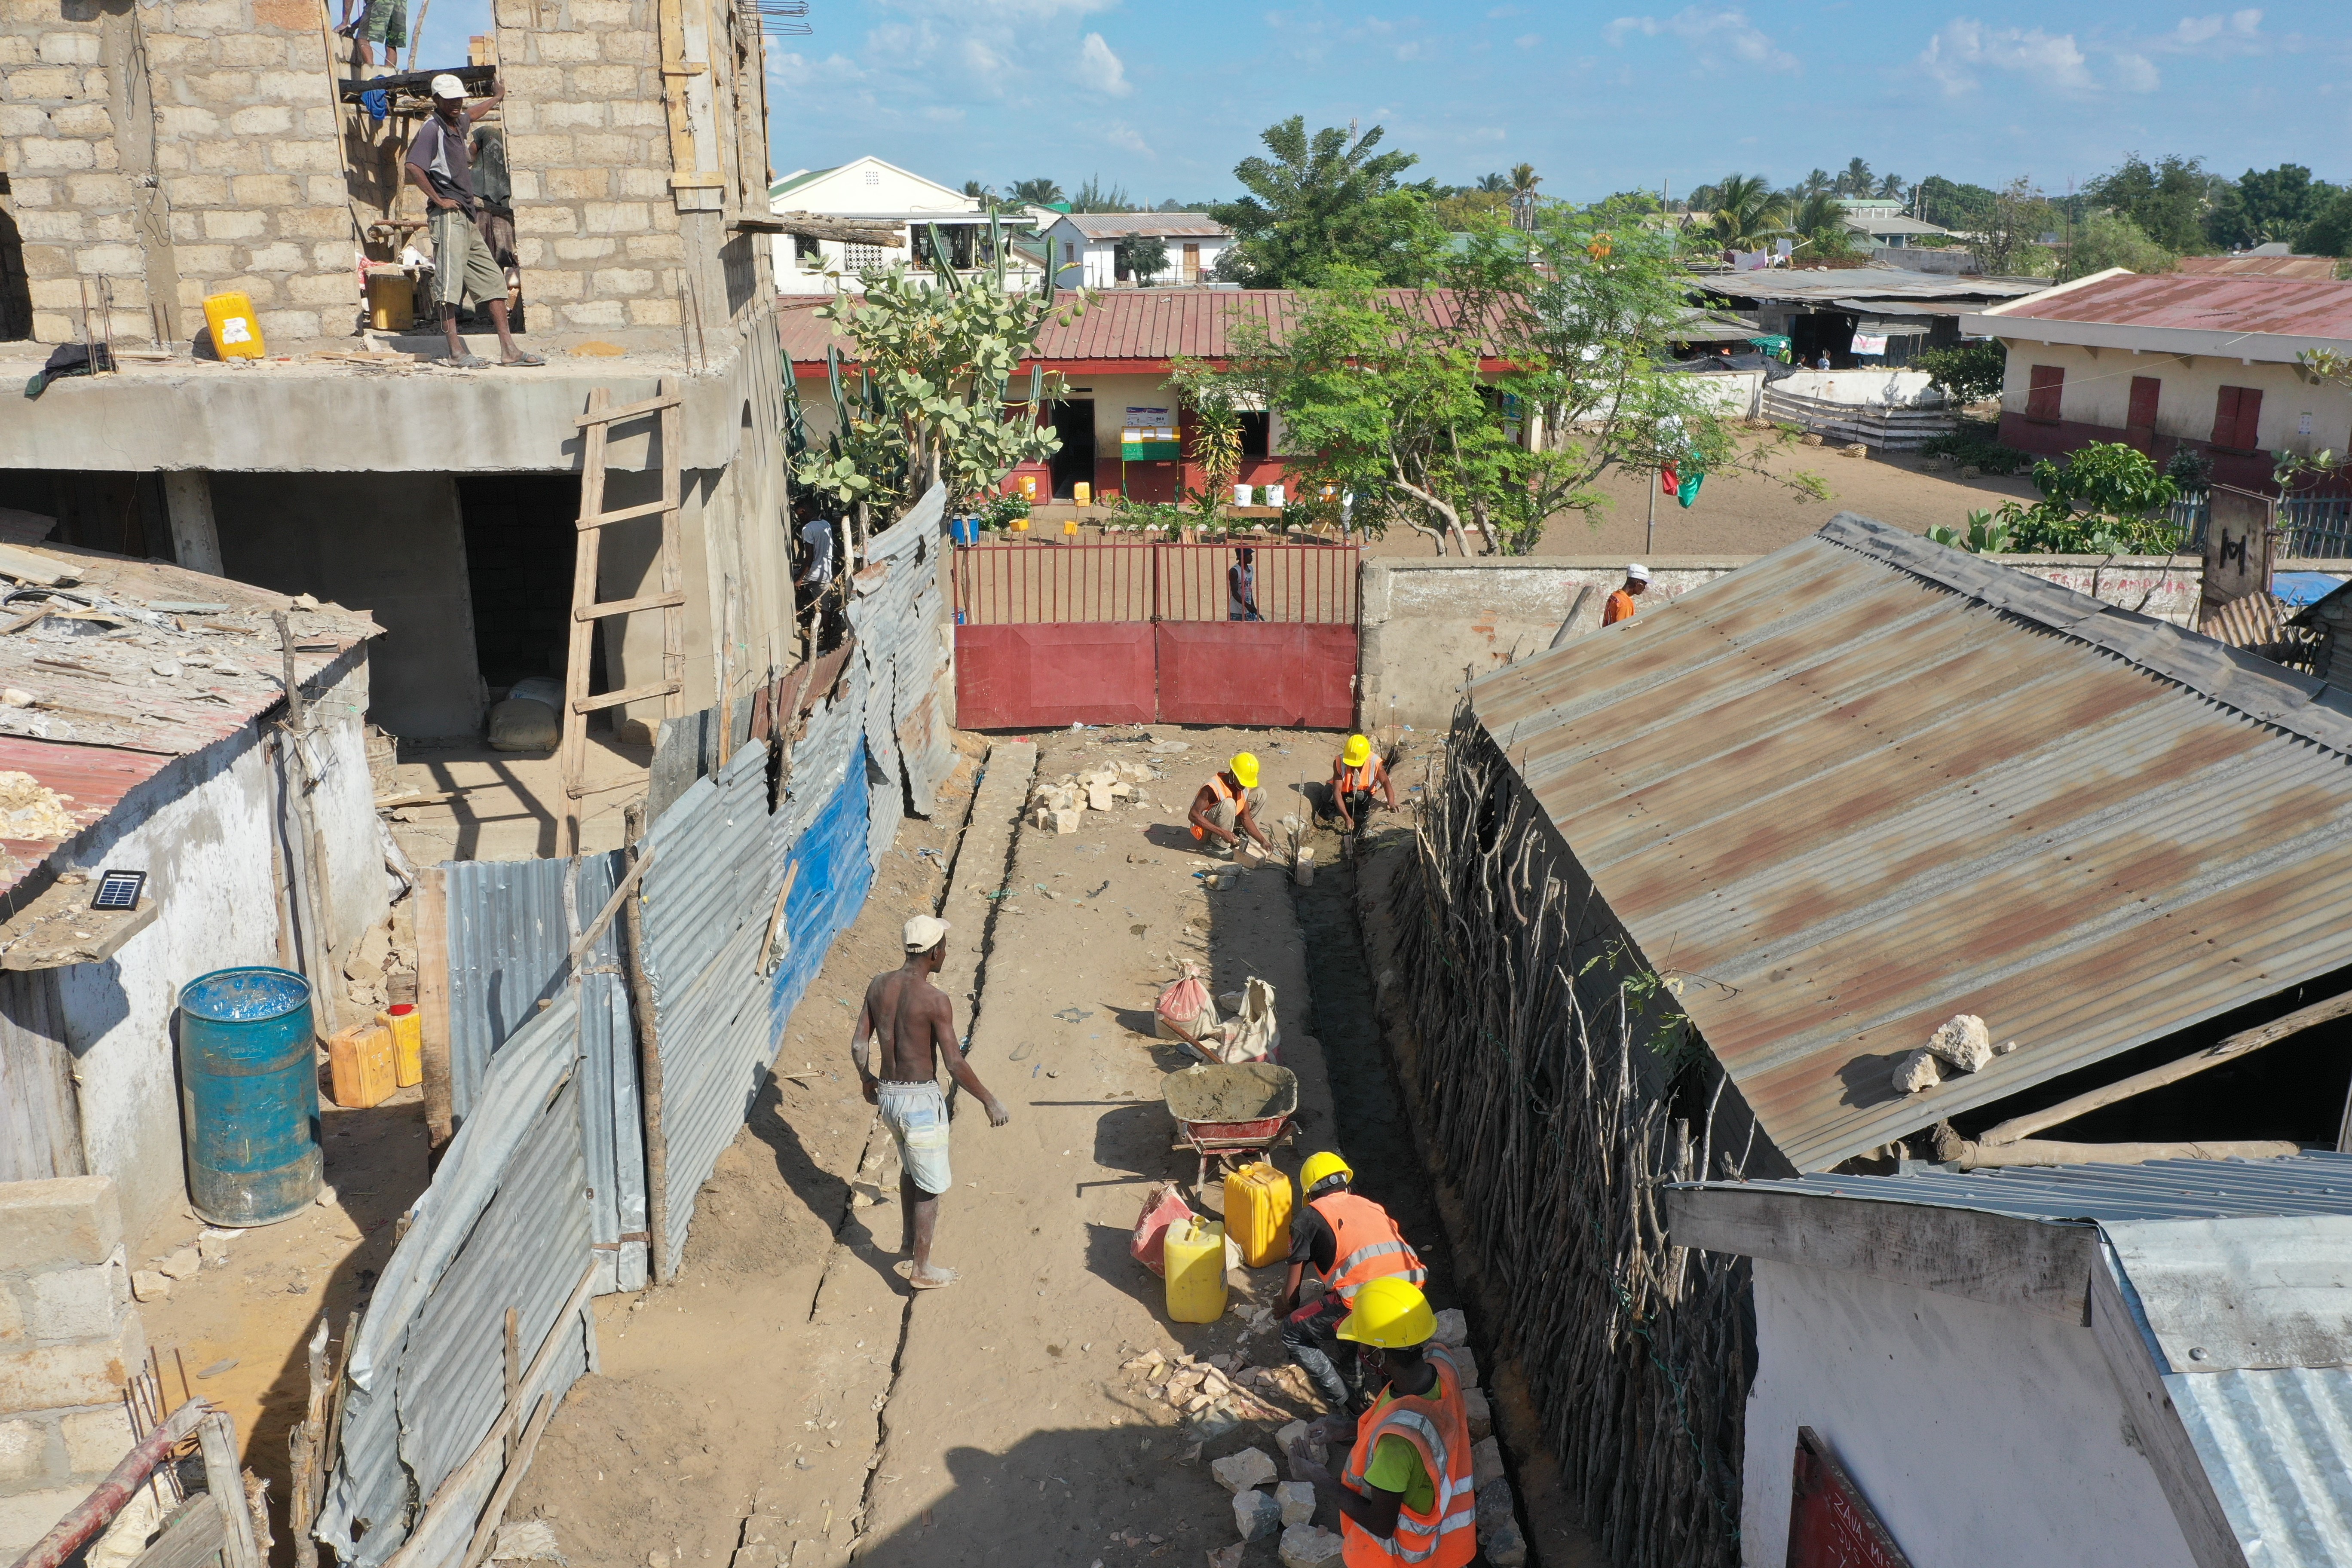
(964, 530)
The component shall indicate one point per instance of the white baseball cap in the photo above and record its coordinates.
(925, 932)
(1638, 572)
(447, 86)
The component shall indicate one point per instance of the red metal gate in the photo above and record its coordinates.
(1050, 635)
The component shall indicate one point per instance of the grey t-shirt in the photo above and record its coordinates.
(446, 158)
(817, 535)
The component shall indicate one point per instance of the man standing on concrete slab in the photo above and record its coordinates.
(915, 1022)
(440, 161)
(1620, 607)
(1350, 1242)
(1226, 807)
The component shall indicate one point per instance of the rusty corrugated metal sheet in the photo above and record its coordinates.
(2288, 307)
(1867, 783)
(2319, 267)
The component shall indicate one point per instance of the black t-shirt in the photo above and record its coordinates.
(1312, 1239)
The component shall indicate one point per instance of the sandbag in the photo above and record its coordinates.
(1186, 1002)
(1254, 1034)
(530, 718)
(1164, 1205)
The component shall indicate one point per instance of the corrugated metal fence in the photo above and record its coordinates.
(480, 1322)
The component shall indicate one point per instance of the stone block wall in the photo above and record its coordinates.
(177, 148)
(596, 228)
(70, 1339)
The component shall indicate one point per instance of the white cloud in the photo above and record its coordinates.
(2198, 32)
(1966, 47)
(1527, 40)
(1101, 69)
(2134, 73)
(1711, 33)
(1118, 133)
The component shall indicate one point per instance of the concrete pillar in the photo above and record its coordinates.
(195, 541)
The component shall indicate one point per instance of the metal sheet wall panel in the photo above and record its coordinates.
(1046, 676)
(912, 613)
(837, 871)
(389, 1419)
(1867, 783)
(2276, 1448)
(1256, 673)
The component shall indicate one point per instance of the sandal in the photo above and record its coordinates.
(904, 1270)
(521, 359)
(464, 362)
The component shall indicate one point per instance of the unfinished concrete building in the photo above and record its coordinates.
(157, 153)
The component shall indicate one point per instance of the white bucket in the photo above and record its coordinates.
(1302, 869)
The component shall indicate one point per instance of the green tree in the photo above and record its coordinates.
(1040, 191)
(1855, 180)
(1955, 207)
(1813, 185)
(1968, 372)
(1141, 257)
(2105, 239)
(1748, 213)
(1890, 185)
(2329, 232)
(1493, 183)
(2263, 206)
(2007, 237)
(936, 361)
(2167, 199)
(2106, 498)
(1096, 197)
(1819, 226)
(1323, 204)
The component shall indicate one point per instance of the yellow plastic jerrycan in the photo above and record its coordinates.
(1195, 1259)
(1257, 1214)
(236, 332)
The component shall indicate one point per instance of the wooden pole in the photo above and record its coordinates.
(2220, 1054)
(649, 1068)
(1977, 1156)
(96, 1512)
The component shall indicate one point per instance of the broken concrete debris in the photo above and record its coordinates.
(1241, 1472)
(1297, 1501)
(1962, 1043)
(1917, 1072)
(1453, 1329)
(1255, 1515)
(1305, 1546)
(1499, 1540)
(1060, 806)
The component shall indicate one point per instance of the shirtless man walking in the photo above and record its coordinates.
(913, 1022)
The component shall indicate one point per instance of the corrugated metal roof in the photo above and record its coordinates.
(1880, 282)
(2315, 1184)
(2286, 307)
(1174, 226)
(2318, 266)
(1147, 325)
(1867, 783)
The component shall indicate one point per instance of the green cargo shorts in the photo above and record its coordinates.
(464, 271)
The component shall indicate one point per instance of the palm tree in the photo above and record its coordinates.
(1747, 213)
(1814, 184)
(1891, 185)
(1491, 184)
(1524, 179)
(1855, 181)
(1038, 192)
(1819, 226)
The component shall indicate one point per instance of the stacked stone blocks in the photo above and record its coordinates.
(69, 1340)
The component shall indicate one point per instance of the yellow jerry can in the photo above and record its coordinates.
(1195, 1257)
(1257, 1214)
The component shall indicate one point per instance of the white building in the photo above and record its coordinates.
(1085, 248)
(870, 191)
(2109, 1366)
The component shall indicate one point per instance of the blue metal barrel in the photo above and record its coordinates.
(249, 1095)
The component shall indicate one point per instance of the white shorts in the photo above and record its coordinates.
(917, 1116)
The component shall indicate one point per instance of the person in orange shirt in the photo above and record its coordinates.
(1620, 607)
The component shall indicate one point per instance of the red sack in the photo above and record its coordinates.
(1163, 1206)
(1187, 1004)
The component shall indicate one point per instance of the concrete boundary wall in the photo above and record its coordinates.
(1428, 626)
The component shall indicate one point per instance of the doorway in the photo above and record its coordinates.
(520, 538)
(1073, 465)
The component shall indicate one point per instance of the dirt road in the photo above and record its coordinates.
(788, 1400)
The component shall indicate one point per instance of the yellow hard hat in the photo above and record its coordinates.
(1392, 1313)
(1358, 752)
(1320, 1166)
(1244, 765)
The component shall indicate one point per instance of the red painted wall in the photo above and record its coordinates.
(2250, 471)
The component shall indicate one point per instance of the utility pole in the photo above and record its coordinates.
(1650, 528)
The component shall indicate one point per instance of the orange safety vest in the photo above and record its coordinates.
(1217, 782)
(1364, 778)
(1620, 608)
(1439, 1429)
(1368, 1245)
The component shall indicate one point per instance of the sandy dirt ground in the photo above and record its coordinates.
(788, 1400)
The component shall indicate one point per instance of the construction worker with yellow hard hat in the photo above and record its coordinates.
(1356, 773)
(1350, 1242)
(1408, 1494)
(1226, 807)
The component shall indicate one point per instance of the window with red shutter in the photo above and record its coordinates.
(2238, 417)
(2145, 390)
(2044, 391)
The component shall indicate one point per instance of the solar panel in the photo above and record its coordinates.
(118, 890)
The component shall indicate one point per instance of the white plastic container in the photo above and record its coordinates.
(1302, 869)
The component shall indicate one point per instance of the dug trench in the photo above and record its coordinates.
(786, 1402)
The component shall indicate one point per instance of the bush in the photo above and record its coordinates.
(1969, 374)
(1004, 510)
(1977, 444)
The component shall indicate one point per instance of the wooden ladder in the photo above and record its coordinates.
(587, 609)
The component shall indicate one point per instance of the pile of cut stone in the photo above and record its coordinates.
(1059, 805)
(1291, 1506)
(1963, 1045)
(1207, 1389)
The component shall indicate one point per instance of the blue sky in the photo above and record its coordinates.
(1165, 97)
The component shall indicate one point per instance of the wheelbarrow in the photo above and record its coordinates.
(1204, 1099)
